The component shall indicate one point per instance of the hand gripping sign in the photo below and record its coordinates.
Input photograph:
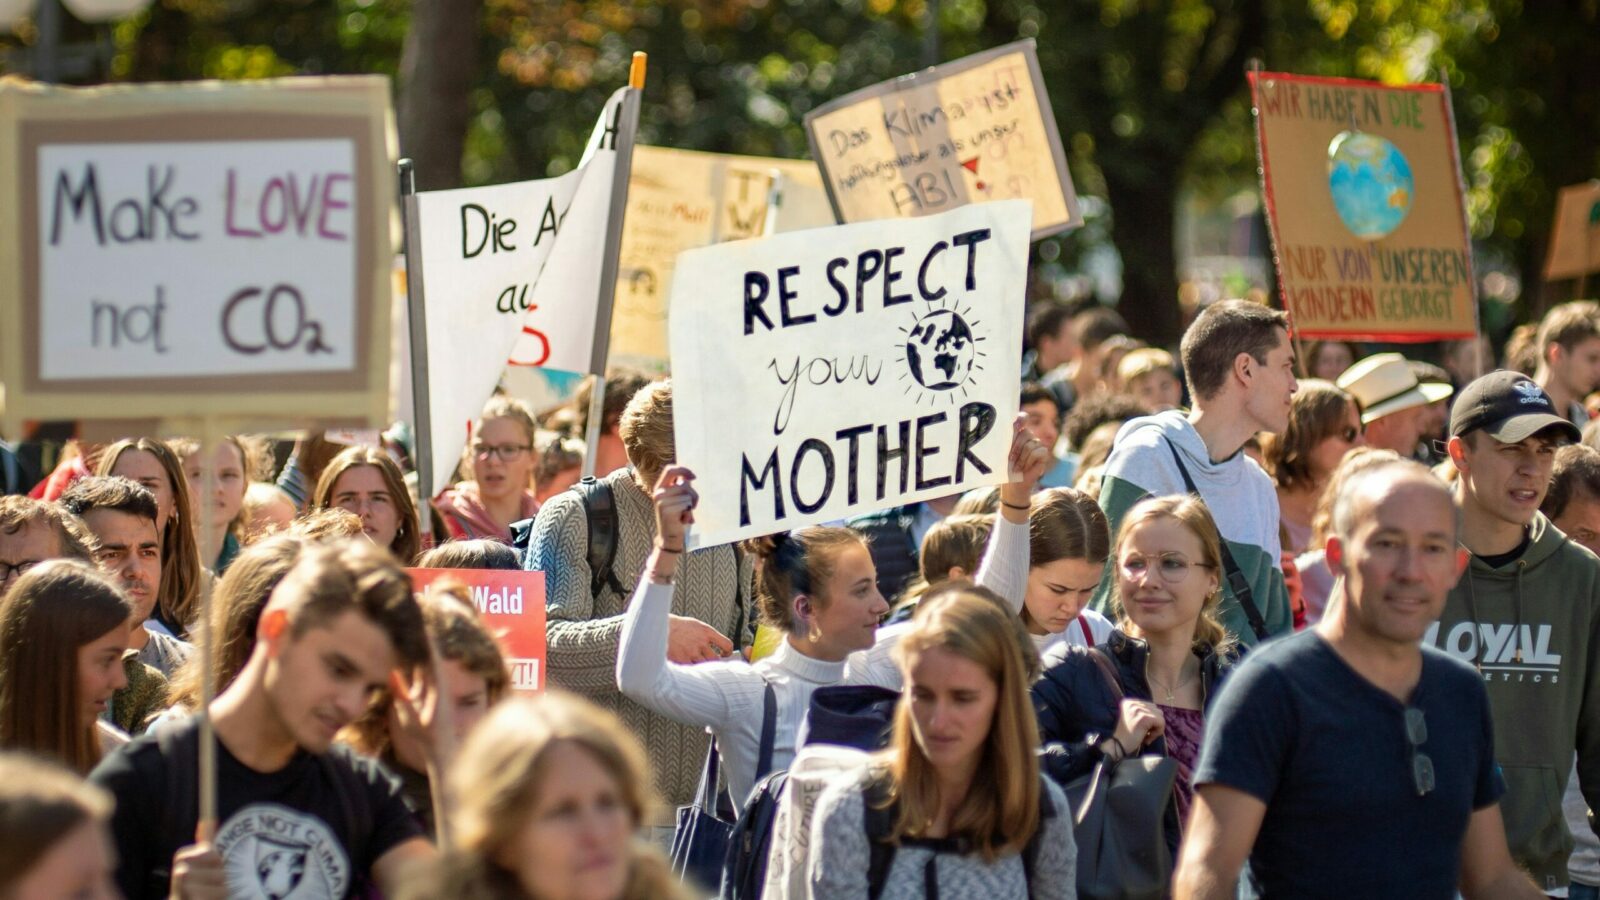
(196, 249)
(824, 373)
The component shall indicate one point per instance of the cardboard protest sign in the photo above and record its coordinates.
(875, 365)
(1363, 195)
(512, 606)
(1575, 237)
(681, 199)
(511, 274)
(968, 131)
(196, 249)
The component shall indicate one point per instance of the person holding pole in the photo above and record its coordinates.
(585, 604)
(294, 810)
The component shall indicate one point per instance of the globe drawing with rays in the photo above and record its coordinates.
(941, 353)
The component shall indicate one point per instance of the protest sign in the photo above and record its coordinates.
(1363, 196)
(1575, 237)
(681, 199)
(512, 606)
(968, 131)
(512, 275)
(876, 364)
(196, 249)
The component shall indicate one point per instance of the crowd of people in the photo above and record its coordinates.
(1345, 599)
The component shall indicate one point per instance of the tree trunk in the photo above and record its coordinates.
(437, 69)
(1142, 227)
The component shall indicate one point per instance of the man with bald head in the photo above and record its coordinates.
(1355, 736)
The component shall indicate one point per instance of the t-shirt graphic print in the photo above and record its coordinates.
(272, 852)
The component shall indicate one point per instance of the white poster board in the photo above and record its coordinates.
(837, 371)
(511, 273)
(197, 249)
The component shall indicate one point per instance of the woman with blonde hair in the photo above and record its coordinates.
(957, 805)
(153, 465)
(501, 489)
(63, 630)
(1168, 653)
(55, 833)
(235, 608)
(365, 481)
(234, 463)
(549, 794)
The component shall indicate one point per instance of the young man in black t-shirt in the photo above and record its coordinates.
(1351, 761)
(296, 814)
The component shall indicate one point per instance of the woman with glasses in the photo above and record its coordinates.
(1167, 655)
(501, 489)
(1324, 425)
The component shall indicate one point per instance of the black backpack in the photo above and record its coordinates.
(744, 872)
(600, 515)
(879, 814)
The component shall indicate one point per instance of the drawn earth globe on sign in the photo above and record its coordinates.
(1371, 184)
(941, 351)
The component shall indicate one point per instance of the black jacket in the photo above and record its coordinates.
(891, 541)
(1077, 709)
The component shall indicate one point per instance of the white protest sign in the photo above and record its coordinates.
(837, 371)
(194, 249)
(510, 272)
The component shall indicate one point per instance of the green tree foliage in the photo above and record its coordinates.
(1150, 96)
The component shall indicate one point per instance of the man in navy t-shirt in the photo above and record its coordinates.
(1351, 761)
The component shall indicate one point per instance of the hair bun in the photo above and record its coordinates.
(766, 546)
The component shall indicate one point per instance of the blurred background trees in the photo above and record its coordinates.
(1150, 98)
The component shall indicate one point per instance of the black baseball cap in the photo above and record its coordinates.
(1510, 407)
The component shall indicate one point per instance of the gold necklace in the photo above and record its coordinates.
(1171, 690)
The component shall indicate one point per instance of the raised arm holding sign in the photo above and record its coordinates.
(873, 362)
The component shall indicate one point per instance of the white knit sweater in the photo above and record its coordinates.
(726, 697)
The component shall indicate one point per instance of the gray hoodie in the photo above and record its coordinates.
(1533, 629)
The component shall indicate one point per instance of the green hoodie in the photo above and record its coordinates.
(1533, 629)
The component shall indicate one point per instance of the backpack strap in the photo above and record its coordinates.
(769, 728)
(1088, 635)
(878, 815)
(1236, 580)
(600, 512)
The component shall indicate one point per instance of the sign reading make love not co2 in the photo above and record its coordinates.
(876, 365)
(193, 249)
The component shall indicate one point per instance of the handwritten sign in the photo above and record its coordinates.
(511, 274)
(969, 131)
(1363, 194)
(1575, 238)
(681, 199)
(877, 365)
(512, 606)
(185, 249)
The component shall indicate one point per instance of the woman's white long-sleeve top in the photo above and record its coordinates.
(1004, 570)
(726, 696)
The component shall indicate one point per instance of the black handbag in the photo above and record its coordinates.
(1119, 821)
(700, 843)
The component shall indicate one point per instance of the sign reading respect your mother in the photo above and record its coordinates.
(875, 365)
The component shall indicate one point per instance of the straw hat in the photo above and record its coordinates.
(1384, 383)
